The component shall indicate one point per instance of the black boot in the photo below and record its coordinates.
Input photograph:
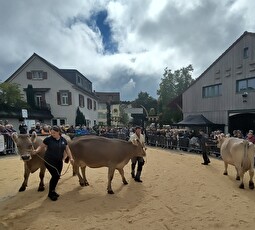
(133, 170)
(53, 196)
(137, 177)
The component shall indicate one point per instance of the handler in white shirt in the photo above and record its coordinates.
(137, 135)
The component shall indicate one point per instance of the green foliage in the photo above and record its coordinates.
(108, 114)
(11, 96)
(171, 86)
(145, 100)
(80, 118)
(124, 119)
(30, 96)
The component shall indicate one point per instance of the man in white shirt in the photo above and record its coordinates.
(137, 135)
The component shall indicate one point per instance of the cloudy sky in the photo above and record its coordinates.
(121, 45)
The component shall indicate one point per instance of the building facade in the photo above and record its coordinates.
(63, 91)
(225, 92)
(109, 102)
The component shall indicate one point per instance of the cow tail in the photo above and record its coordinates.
(246, 162)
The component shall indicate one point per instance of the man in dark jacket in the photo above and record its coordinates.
(202, 140)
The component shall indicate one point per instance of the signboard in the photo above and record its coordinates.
(24, 113)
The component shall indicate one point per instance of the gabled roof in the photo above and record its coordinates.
(225, 52)
(68, 74)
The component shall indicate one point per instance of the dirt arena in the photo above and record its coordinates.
(177, 193)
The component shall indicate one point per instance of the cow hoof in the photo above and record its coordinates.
(238, 178)
(86, 183)
(241, 186)
(82, 184)
(110, 192)
(225, 173)
(125, 182)
(22, 189)
(41, 189)
(251, 185)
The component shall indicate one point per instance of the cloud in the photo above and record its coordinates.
(121, 45)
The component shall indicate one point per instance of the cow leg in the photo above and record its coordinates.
(251, 183)
(41, 175)
(86, 183)
(241, 173)
(226, 168)
(237, 174)
(121, 171)
(26, 176)
(82, 180)
(110, 177)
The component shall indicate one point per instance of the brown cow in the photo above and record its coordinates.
(96, 152)
(26, 145)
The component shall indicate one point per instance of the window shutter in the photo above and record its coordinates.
(58, 98)
(69, 98)
(29, 75)
(44, 75)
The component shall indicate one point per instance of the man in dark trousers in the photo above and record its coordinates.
(202, 140)
(139, 160)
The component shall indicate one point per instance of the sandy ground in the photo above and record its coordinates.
(177, 193)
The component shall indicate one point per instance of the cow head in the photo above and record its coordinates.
(24, 144)
(141, 149)
(220, 139)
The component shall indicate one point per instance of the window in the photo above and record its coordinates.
(81, 101)
(101, 115)
(36, 75)
(102, 106)
(64, 97)
(38, 100)
(212, 91)
(245, 85)
(95, 105)
(89, 103)
(245, 52)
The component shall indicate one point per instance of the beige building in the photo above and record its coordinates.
(111, 99)
(225, 91)
(62, 91)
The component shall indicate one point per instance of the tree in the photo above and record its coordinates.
(124, 119)
(171, 86)
(108, 114)
(145, 100)
(30, 96)
(11, 96)
(80, 118)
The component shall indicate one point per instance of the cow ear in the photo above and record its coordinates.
(14, 137)
(33, 136)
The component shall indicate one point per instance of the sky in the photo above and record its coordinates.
(121, 45)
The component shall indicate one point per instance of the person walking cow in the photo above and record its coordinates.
(139, 160)
(56, 146)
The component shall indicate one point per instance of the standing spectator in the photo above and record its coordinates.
(38, 128)
(137, 135)
(251, 137)
(23, 128)
(202, 140)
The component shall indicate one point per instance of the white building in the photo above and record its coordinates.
(62, 91)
